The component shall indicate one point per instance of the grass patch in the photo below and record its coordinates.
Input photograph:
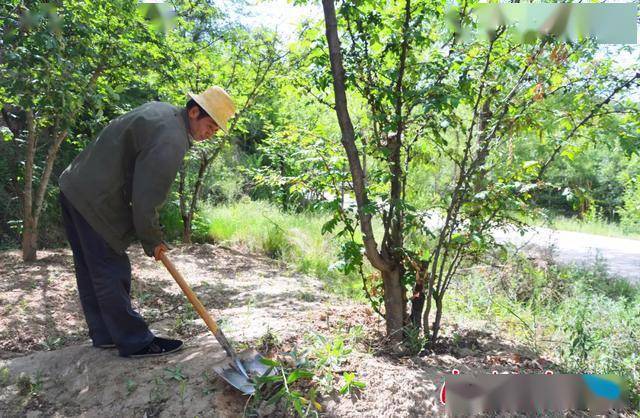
(595, 227)
(295, 239)
(581, 317)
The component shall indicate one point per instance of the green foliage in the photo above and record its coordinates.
(591, 182)
(300, 161)
(28, 386)
(295, 238)
(175, 373)
(281, 387)
(414, 340)
(464, 116)
(171, 220)
(5, 376)
(300, 377)
(580, 315)
(130, 386)
(581, 340)
(275, 244)
(351, 384)
(598, 227)
(630, 212)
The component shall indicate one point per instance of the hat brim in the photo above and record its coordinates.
(221, 125)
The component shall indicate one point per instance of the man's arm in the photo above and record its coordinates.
(156, 167)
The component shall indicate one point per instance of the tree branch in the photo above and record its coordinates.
(591, 114)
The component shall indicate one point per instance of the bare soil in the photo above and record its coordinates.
(48, 367)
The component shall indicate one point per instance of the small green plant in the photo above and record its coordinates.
(182, 388)
(29, 387)
(355, 335)
(24, 305)
(307, 296)
(456, 338)
(175, 373)
(5, 376)
(143, 297)
(208, 380)
(414, 341)
(329, 353)
(131, 386)
(268, 341)
(182, 322)
(292, 386)
(351, 384)
(52, 343)
(24, 384)
(275, 243)
(300, 375)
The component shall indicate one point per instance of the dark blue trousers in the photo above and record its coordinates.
(104, 284)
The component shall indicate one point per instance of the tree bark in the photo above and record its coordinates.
(394, 304)
(386, 261)
(188, 213)
(29, 232)
(417, 305)
(348, 137)
(417, 301)
(184, 214)
(48, 168)
(436, 321)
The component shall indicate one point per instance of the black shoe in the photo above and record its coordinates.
(158, 347)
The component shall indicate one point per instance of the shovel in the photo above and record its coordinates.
(236, 369)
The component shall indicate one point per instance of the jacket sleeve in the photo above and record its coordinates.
(155, 170)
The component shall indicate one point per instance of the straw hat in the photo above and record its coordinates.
(217, 103)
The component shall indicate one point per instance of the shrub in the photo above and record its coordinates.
(630, 211)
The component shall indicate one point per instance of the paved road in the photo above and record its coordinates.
(622, 255)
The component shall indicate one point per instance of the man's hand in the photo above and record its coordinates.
(159, 250)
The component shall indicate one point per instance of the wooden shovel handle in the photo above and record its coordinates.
(211, 323)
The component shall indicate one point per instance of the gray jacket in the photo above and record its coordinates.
(120, 180)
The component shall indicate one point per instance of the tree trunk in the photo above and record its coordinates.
(427, 312)
(417, 305)
(417, 301)
(186, 230)
(387, 262)
(183, 204)
(29, 233)
(394, 304)
(29, 239)
(436, 322)
(348, 138)
(188, 213)
(483, 145)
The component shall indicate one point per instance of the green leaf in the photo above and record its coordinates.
(5, 133)
(299, 374)
(329, 226)
(275, 398)
(269, 362)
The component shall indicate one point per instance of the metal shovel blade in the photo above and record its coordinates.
(250, 360)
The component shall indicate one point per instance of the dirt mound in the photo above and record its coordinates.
(49, 369)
